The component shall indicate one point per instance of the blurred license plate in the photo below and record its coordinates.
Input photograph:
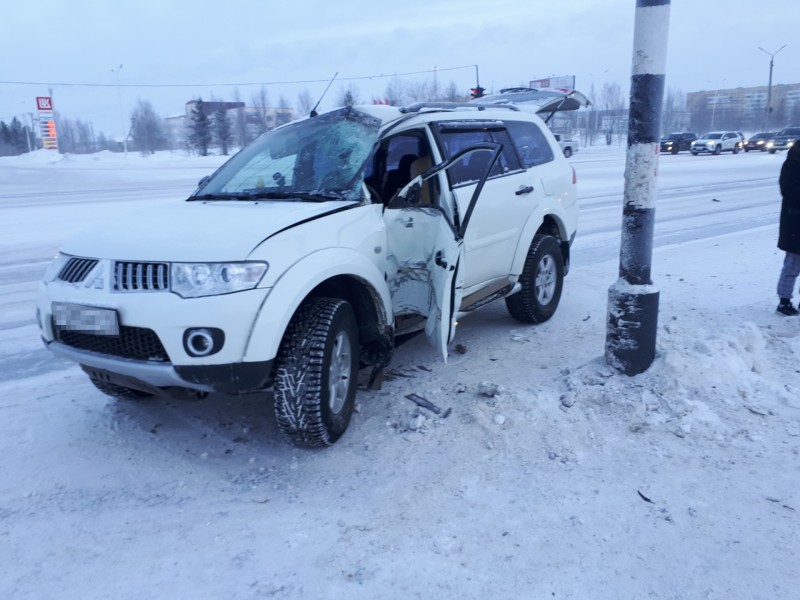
(86, 319)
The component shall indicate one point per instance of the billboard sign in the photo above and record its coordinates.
(47, 122)
(563, 82)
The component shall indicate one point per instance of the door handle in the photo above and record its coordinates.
(526, 189)
(439, 260)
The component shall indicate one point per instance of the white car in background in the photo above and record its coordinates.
(717, 142)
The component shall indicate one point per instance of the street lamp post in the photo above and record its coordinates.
(769, 85)
(121, 114)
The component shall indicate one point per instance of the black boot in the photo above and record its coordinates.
(785, 308)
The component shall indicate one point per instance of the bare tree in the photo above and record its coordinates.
(241, 130)
(284, 115)
(612, 108)
(305, 102)
(260, 101)
(147, 129)
(451, 93)
(673, 114)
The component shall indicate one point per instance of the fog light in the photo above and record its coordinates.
(203, 341)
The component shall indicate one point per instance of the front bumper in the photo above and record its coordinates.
(157, 377)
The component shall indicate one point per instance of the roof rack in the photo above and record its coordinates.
(418, 106)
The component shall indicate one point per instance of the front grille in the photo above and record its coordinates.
(140, 277)
(133, 342)
(76, 269)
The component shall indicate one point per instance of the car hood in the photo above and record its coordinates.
(196, 231)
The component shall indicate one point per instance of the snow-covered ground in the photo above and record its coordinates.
(553, 476)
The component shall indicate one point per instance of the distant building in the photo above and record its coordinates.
(254, 120)
(744, 108)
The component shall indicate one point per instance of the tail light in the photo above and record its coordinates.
(574, 176)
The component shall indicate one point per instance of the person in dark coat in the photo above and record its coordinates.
(789, 235)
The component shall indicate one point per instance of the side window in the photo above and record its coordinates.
(531, 145)
(472, 167)
(396, 162)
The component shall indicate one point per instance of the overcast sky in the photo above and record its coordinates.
(47, 44)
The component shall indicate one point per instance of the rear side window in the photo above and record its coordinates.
(531, 145)
(471, 168)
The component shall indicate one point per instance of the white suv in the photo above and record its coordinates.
(304, 257)
(716, 142)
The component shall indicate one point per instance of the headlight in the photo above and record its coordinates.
(193, 280)
(54, 268)
(770, 144)
(790, 144)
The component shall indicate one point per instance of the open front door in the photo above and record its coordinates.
(426, 251)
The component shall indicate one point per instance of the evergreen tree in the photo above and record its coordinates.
(223, 130)
(17, 137)
(200, 128)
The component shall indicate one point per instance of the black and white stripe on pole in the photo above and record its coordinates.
(632, 299)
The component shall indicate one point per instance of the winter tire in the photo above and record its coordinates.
(717, 149)
(694, 153)
(316, 373)
(567, 152)
(118, 392)
(542, 279)
(772, 151)
(736, 149)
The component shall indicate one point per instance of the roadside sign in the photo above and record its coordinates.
(47, 122)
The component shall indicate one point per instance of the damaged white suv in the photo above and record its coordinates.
(303, 258)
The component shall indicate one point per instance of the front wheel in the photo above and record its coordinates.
(717, 149)
(694, 153)
(316, 373)
(736, 149)
(772, 151)
(542, 279)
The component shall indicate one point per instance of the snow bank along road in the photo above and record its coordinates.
(42, 205)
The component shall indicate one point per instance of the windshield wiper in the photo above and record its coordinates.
(249, 195)
(320, 196)
(227, 196)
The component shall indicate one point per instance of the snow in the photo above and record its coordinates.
(546, 473)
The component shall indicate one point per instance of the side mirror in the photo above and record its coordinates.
(203, 181)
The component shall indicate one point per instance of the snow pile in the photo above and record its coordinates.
(702, 383)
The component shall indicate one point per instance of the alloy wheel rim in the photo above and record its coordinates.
(545, 280)
(339, 374)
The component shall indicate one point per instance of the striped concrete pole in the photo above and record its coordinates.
(632, 299)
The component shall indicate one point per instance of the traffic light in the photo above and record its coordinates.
(477, 92)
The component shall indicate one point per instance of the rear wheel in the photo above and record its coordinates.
(316, 373)
(542, 279)
(567, 152)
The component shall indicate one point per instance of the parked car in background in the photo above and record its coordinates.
(568, 147)
(758, 141)
(784, 139)
(716, 142)
(676, 142)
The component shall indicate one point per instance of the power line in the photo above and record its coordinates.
(239, 84)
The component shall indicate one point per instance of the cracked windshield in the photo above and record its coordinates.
(319, 158)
